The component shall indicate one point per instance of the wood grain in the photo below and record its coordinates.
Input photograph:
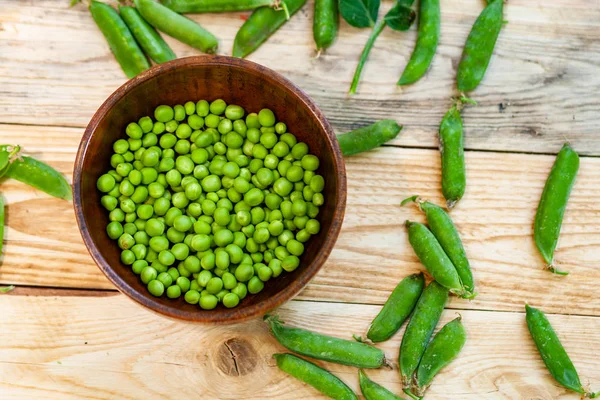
(61, 350)
(43, 246)
(541, 87)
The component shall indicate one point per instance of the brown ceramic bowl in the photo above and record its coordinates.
(207, 77)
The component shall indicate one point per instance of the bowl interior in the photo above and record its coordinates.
(237, 82)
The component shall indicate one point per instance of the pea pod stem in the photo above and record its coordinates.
(377, 29)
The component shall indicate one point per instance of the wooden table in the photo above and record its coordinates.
(65, 332)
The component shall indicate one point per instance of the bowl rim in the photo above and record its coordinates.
(233, 315)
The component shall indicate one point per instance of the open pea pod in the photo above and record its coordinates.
(35, 173)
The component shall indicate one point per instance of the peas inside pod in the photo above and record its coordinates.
(208, 202)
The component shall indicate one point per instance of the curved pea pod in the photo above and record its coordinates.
(177, 26)
(368, 137)
(263, 23)
(317, 377)
(397, 308)
(372, 390)
(454, 176)
(444, 230)
(553, 203)
(119, 38)
(427, 41)
(38, 175)
(442, 350)
(552, 351)
(150, 40)
(326, 348)
(480, 46)
(211, 6)
(434, 258)
(325, 23)
(419, 329)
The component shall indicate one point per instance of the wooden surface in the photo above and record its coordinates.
(65, 333)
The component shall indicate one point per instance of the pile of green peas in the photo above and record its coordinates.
(208, 204)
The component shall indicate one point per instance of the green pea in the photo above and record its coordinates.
(126, 241)
(318, 200)
(138, 266)
(202, 108)
(154, 227)
(240, 290)
(204, 277)
(106, 183)
(290, 263)
(244, 272)
(231, 300)
(208, 302)
(299, 150)
(255, 285)
(254, 197)
(214, 285)
(266, 117)
(229, 281)
(158, 243)
(223, 237)
(148, 274)
(114, 230)
(121, 146)
(192, 297)
(156, 288)
(158, 128)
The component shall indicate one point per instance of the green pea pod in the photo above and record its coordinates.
(427, 41)
(553, 203)
(8, 155)
(445, 232)
(212, 6)
(317, 377)
(444, 348)
(397, 308)
(325, 23)
(552, 351)
(372, 390)
(38, 175)
(262, 23)
(119, 38)
(368, 137)
(1, 222)
(454, 177)
(434, 258)
(177, 26)
(420, 328)
(327, 348)
(480, 46)
(152, 43)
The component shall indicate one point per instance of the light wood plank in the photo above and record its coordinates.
(61, 350)
(57, 69)
(43, 246)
